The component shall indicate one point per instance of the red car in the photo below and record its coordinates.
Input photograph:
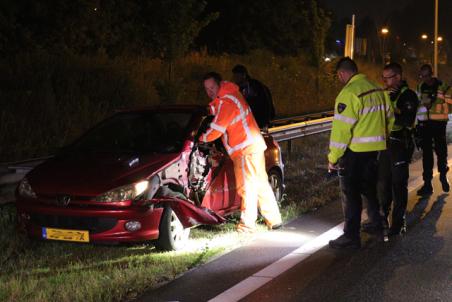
(139, 175)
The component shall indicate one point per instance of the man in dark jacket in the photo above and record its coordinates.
(393, 165)
(256, 94)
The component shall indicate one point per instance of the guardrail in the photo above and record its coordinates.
(299, 126)
(301, 118)
(296, 130)
(283, 130)
(13, 172)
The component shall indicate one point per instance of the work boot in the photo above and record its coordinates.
(426, 189)
(444, 183)
(344, 242)
(397, 231)
(397, 228)
(277, 226)
(371, 228)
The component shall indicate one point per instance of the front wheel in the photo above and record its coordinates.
(276, 183)
(172, 234)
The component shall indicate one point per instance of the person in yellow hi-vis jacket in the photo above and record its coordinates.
(432, 116)
(363, 118)
(240, 134)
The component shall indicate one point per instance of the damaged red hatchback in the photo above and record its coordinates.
(139, 175)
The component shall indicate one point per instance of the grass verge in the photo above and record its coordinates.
(46, 271)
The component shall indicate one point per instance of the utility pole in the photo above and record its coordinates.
(352, 46)
(435, 50)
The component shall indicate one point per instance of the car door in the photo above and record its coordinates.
(221, 195)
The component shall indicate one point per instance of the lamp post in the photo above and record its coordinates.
(440, 46)
(426, 48)
(435, 49)
(384, 33)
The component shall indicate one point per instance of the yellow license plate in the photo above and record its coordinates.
(65, 235)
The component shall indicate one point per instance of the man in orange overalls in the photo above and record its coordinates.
(241, 136)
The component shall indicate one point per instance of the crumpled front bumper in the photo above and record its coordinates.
(190, 214)
(107, 225)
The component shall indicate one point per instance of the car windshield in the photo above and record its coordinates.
(137, 132)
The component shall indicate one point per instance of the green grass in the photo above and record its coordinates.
(307, 185)
(45, 271)
(56, 271)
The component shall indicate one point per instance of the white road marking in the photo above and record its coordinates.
(275, 269)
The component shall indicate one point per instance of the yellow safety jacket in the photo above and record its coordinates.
(363, 118)
(434, 106)
(394, 107)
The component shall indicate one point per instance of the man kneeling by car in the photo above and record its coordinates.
(236, 126)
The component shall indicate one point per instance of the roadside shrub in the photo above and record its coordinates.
(48, 99)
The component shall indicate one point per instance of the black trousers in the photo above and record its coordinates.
(433, 136)
(393, 174)
(357, 178)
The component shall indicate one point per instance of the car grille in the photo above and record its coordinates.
(92, 224)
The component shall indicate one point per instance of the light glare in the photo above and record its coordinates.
(141, 186)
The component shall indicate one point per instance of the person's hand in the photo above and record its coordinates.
(214, 157)
(332, 167)
(392, 90)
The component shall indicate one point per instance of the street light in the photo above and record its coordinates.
(440, 39)
(435, 49)
(384, 32)
(425, 47)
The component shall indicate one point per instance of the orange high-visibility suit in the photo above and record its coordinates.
(241, 136)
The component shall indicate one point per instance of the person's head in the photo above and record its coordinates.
(240, 74)
(426, 74)
(345, 69)
(392, 75)
(212, 82)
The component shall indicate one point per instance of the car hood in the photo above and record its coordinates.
(91, 174)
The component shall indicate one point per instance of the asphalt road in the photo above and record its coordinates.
(413, 267)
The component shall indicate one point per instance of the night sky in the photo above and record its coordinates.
(407, 19)
(377, 9)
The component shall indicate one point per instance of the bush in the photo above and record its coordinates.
(47, 99)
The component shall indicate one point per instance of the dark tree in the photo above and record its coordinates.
(283, 28)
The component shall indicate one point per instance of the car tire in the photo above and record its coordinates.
(172, 234)
(276, 183)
